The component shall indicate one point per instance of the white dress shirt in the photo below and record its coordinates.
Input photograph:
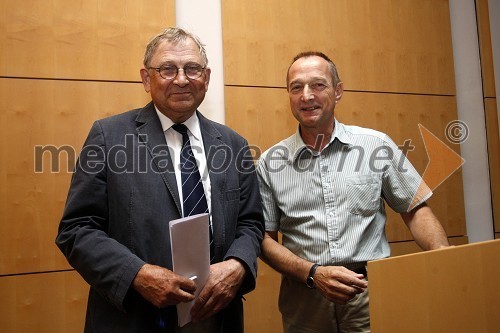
(174, 142)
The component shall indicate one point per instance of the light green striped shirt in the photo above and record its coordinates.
(329, 206)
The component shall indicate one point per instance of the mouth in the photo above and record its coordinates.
(181, 95)
(309, 108)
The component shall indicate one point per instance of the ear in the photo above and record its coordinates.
(207, 78)
(339, 91)
(146, 79)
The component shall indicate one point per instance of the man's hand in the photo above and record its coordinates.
(223, 283)
(162, 287)
(338, 284)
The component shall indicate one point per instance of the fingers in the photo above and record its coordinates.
(209, 303)
(186, 284)
(338, 284)
(162, 287)
(347, 277)
(203, 307)
(178, 296)
(175, 289)
(355, 281)
(223, 284)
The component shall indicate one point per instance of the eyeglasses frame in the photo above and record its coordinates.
(202, 69)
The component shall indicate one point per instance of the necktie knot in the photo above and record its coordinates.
(181, 128)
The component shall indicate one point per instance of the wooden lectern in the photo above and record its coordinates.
(456, 289)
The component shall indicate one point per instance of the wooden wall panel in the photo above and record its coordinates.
(57, 113)
(43, 42)
(487, 72)
(261, 115)
(493, 135)
(261, 308)
(490, 107)
(408, 247)
(43, 303)
(385, 45)
(94, 39)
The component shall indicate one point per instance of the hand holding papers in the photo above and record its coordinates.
(189, 241)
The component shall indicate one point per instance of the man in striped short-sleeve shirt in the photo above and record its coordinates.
(324, 189)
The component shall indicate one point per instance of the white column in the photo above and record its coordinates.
(494, 9)
(475, 171)
(204, 19)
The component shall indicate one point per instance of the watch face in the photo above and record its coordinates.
(310, 282)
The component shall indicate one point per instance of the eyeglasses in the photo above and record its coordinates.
(169, 72)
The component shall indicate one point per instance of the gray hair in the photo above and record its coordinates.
(307, 54)
(173, 35)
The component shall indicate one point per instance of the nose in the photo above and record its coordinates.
(181, 78)
(307, 93)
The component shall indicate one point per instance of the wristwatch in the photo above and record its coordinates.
(310, 278)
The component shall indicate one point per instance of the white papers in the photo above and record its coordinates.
(189, 241)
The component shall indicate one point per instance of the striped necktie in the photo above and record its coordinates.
(194, 200)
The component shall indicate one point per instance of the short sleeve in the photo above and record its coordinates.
(402, 186)
(271, 211)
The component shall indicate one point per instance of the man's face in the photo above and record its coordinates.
(176, 98)
(312, 93)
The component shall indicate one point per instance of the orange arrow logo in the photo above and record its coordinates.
(443, 162)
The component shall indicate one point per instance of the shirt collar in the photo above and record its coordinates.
(193, 124)
(339, 133)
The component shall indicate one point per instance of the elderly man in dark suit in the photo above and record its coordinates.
(127, 187)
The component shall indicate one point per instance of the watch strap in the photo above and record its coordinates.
(310, 278)
(312, 271)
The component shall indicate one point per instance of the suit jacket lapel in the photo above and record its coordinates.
(216, 152)
(150, 133)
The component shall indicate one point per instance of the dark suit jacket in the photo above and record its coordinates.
(122, 195)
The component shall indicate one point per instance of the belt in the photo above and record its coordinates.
(361, 270)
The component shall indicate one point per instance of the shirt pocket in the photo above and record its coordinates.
(363, 194)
